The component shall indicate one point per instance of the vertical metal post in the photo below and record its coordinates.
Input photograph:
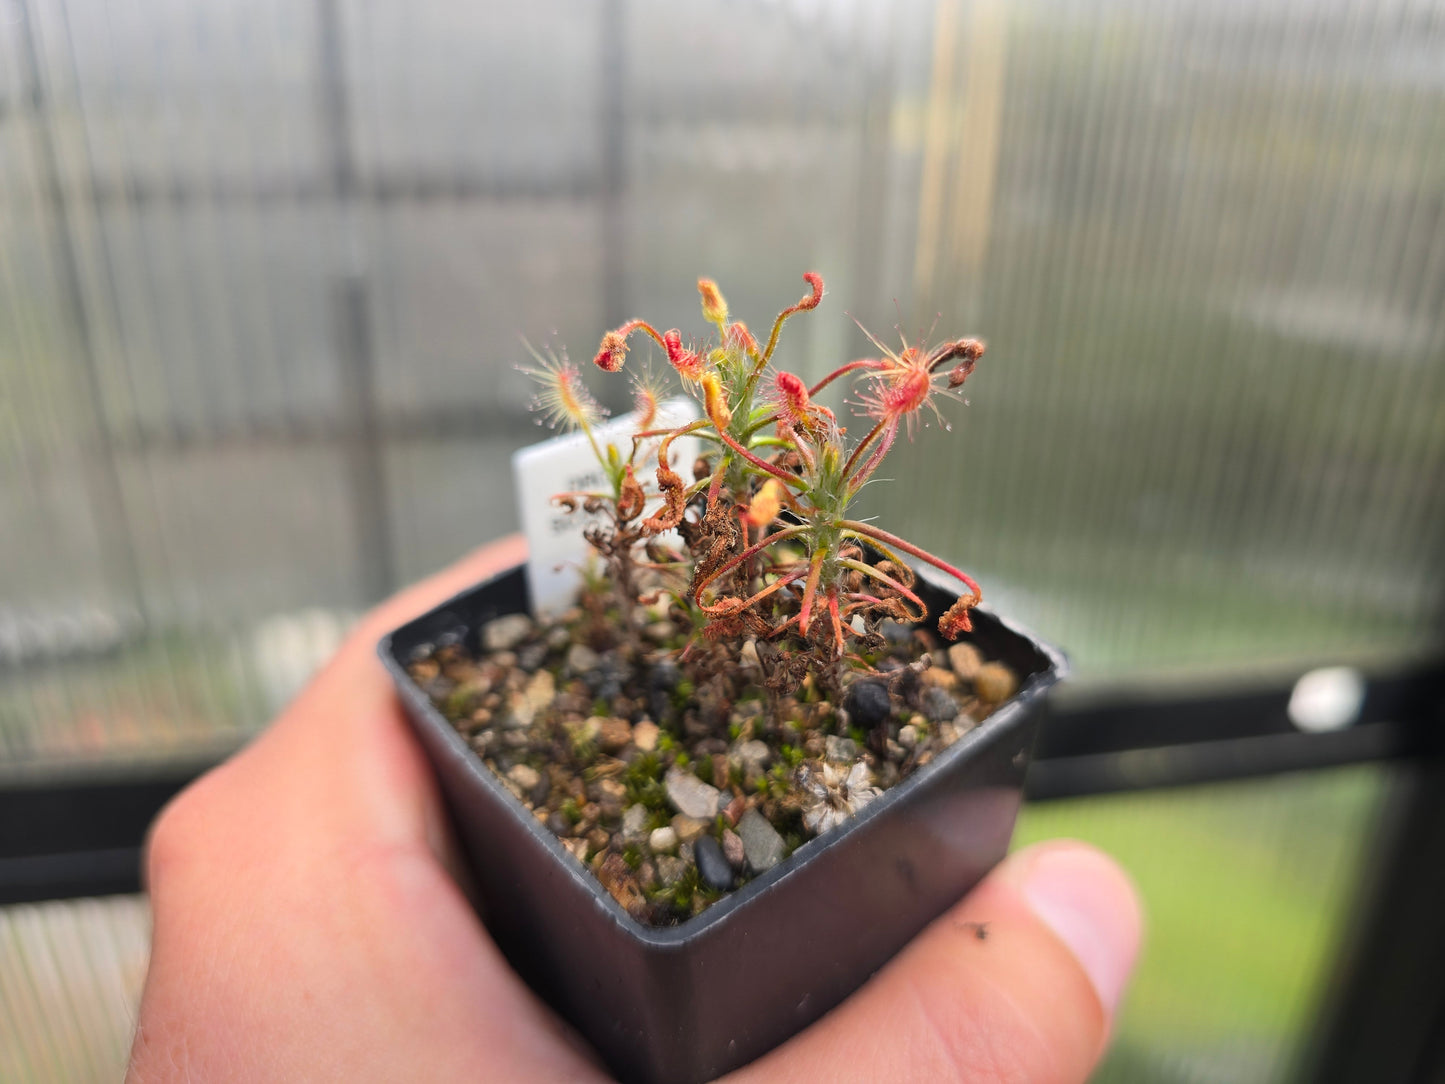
(101, 474)
(1384, 1018)
(335, 103)
(351, 323)
(365, 464)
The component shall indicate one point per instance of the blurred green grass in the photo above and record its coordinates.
(1247, 888)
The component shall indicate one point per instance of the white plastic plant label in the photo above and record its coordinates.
(556, 550)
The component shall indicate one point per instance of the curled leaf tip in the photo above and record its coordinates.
(956, 620)
(968, 351)
(674, 502)
(612, 353)
(687, 362)
(815, 280)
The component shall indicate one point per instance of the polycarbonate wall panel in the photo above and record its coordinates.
(265, 269)
(1206, 244)
(70, 979)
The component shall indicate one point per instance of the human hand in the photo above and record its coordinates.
(308, 927)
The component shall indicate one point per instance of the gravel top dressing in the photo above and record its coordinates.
(677, 776)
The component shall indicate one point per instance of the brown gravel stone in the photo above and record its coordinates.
(736, 808)
(994, 683)
(965, 660)
(613, 735)
(524, 776)
(644, 735)
(944, 679)
(732, 848)
(688, 828)
(578, 847)
(611, 794)
(620, 883)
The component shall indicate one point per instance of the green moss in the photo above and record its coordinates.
(686, 888)
(704, 769)
(645, 769)
(571, 810)
(683, 694)
(459, 702)
(643, 780)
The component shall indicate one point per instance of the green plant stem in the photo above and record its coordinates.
(862, 444)
(877, 534)
(761, 464)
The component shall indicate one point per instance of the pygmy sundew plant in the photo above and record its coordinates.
(774, 558)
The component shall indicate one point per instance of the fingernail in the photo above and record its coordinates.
(1089, 904)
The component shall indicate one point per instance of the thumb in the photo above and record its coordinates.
(1018, 982)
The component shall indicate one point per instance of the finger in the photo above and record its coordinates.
(305, 866)
(1018, 983)
(347, 730)
(341, 763)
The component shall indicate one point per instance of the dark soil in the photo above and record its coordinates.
(674, 775)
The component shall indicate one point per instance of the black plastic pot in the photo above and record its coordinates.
(694, 1001)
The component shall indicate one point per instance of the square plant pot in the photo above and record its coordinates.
(690, 1002)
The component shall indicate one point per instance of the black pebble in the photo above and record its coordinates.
(712, 864)
(665, 675)
(605, 680)
(938, 705)
(867, 703)
(660, 685)
(531, 657)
